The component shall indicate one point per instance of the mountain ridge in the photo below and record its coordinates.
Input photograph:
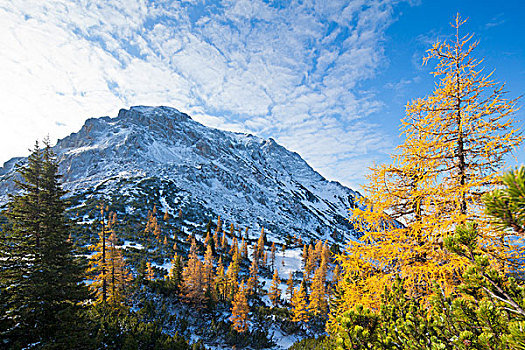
(244, 178)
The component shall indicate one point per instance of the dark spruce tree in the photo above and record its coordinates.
(41, 281)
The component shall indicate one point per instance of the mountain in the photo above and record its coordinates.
(159, 156)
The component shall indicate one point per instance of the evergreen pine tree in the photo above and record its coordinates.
(41, 287)
(175, 273)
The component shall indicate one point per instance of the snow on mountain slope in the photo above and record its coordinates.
(163, 153)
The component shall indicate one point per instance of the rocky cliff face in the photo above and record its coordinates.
(161, 154)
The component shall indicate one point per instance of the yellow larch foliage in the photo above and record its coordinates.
(216, 240)
(157, 231)
(299, 305)
(325, 254)
(290, 286)
(220, 281)
(207, 239)
(119, 276)
(219, 227)
(232, 274)
(235, 246)
(253, 280)
(244, 249)
(240, 310)
(106, 265)
(274, 293)
(310, 263)
(150, 273)
(208, 269)
(304, 255)
(224, 241)
(455, 142)
(318, 251)
(193, 284)
(318, 295)
(264, 259)
(260, 244)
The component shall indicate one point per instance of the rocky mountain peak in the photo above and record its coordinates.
(147, 114)
(245, 179)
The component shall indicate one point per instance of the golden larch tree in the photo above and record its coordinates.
(235, 246)
(219, 228)
(318, 296)
(274, 293)
(98, 267)
(232, 230)
(310, 263)
(150, 272)
(318, 251)
(244, 248)
(208, 269)
(456, 140)
(260, 244)
(224, 241)
(193, 281)
(290, 286)
(299, 305)
(240, 310)
(304, 255)
(232, 275)
(119, 276)
(220, 281)
(207, 239)
(253, 280)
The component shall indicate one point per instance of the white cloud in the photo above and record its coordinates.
(290, 72)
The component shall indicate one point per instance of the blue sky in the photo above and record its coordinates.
(327, 79)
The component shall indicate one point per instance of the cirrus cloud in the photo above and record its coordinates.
(287, 70)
